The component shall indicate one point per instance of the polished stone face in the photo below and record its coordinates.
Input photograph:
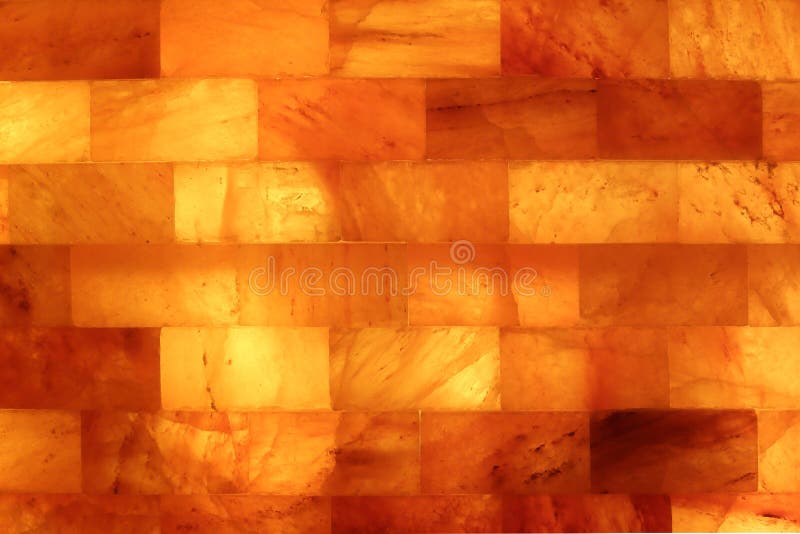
(389, 266)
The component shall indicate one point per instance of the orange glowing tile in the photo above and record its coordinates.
(674, 451)
(778, 459)
(44, 122)
(108, 203)
(213, 514)
(511, 117)
(440, 368)
(246, 368)
(34, 286)
(663, 285)
(742, 39)
(425, 38)
(174, 120)
(163, 453)
(565, 369)
(679, 119)
(422, 513)
(155, 285)
(521, 453)
(781, 121)
(545, 284)
(244, 38)
(736, 513)
(40, 451)
(427, 202)
(74, 368)
(78, 39)
(732, 367)
(334, 453)
(774, 285)
(4, 234)
(341, 119)
(593, 202)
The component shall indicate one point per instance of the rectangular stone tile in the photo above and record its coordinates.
(593, 202)
(40, 451)
(174, 120)
(425, 202)
(44, 122)
(509, 453)
(511, 118)
(674, 451)
(585, 38)
(341, 119)
(734, 367)
(779, 451)
(587, 513)
(74, 368)
(781, 122)
(4, 233)
(164, 453)
(679, 119)
(663, 285)
(153, 285)
(78, 39)
(739, 202)
(244, 368)
(583, 369)
(736, 513)
(423, 513)
(426, 38)
(335, 453)
(256, 202)
(742, 39)
(207, 38)
(34, 286)
(79, 514)
(439, 368)
(774, 285)
(84, 203)
(215, 514)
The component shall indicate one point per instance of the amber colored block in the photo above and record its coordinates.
(164, 453)
(422, 513)
(781, 123)
(34, 286)
(256, 202)
(511, 118)
(425, 38)
(153, 285)
(509, 453)
(229, 514)
(743, 39)
(587, 513)
(736, 513)
(593, 202)
(585, 38)
(209, 38)
(439, 368)
(663, 285)
(244, 368)
(341, 119)
(40, 451)
(674, 451)
(335, 453)
(774, 285)
(679, 119)
(427, 202)
(43, 122)
(4, 233)
(73, 368)
(734, 367)
(78, 39)
(580, 369)
(779, 451)
(106, 203)
(174, 120)
(348, 285)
